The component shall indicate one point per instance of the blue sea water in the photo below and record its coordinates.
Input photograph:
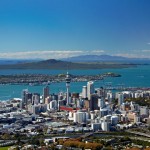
(130, 77)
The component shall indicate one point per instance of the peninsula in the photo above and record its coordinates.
(38, 79)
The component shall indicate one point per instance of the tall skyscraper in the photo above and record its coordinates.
(26, 96)
(84, 92)
(24, 92)
(45, 93)
(93, 102)
(35, 98)
(68, 80)
(101, 102)
(120, 98)
(90, 89)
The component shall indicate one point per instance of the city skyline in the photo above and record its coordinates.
(60, 29)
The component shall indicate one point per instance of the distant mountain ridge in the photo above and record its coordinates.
(64, 65)
(17, 61)
(104, 58)
(81, 58)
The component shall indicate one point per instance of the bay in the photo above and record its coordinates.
(130, 77)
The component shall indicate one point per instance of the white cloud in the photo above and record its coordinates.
(57, 54)
(148, 43)
(146, 50)
(129, 55)
(47, 54)
(134, 54)
(98, 51)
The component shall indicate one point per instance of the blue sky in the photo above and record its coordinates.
(63, 28)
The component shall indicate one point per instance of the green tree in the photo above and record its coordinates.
(41, 142)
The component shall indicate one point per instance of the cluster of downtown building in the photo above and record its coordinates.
(92, 109)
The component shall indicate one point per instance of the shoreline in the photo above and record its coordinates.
(41, 79)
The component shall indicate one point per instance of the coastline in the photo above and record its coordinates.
(130, 77)
(41, 79)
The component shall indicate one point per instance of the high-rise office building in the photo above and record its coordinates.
(84, 92)
(90, 89)
(100, 92)
(93, 105)
(24, 92)
(45, 93)
(109, 96)
(35, 98)
(101, 102)
(26, 96)
(120, 98)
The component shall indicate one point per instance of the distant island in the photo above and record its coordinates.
(111, 74)
(64, 65)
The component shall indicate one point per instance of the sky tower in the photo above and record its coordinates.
(68, 80)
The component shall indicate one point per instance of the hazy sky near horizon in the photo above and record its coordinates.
(63, 28)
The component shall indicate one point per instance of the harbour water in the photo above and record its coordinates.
(130, 77)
